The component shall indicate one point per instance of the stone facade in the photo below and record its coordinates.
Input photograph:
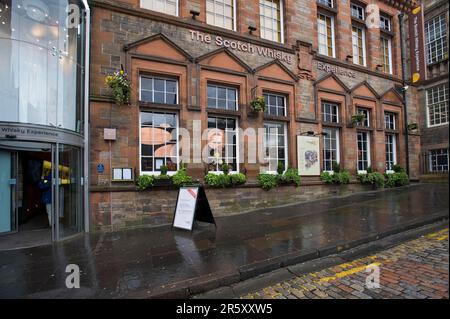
(196, 54)
(125, 208)
(433, 137)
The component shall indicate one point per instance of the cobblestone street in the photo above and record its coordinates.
(417, 269)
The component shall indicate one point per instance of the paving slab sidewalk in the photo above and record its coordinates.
(161, 263)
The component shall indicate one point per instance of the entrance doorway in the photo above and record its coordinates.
(41, 191)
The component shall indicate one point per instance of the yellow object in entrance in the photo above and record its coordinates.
(64, 172)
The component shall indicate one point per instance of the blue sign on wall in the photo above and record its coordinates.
(100, 168)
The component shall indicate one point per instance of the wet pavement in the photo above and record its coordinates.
(159, 262)
(416, 269)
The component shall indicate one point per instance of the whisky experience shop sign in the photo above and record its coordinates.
(240, 46)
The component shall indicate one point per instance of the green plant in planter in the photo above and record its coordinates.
(358, 119)
(280, 168)
(376, 179)
(238, 179)
(120, 86)
(336, 178)
(398, 169)
(164, 169)
(144, 182)
(225, 169)
(181, 178)
(326, 177)
(336, 167)
(267, 181)
(217, 180)
(397, 179)
(342, 178)
(291, 176)
(258, 104)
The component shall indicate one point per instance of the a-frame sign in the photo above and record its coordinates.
(192, 205)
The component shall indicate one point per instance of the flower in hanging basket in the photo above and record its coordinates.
(413, 127)
(358, 119)
(120, 86)
(258, 104)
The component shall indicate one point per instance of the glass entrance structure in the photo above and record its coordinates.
(43, 113)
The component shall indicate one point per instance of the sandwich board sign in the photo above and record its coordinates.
(192, 205)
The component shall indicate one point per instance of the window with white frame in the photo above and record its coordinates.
(158, 90)
(325, 27)
(366, 113)
(327, 3)
(386, 54)
(436, 39)
(275, 104)
(222, 143)
(390, 120)
(330, 112)
(275, 146)
(271, 19)
(385, 23)
(222, 97)
(359, 45)
(357, 11)
(158, 141)
(437, 105)
(163, 6)
(221, 13)
(363, 151)
(331, 149)
(391, 151)
(438, 160)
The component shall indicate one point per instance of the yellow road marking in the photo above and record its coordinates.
(349, 272)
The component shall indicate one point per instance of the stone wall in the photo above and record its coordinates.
(122, 209)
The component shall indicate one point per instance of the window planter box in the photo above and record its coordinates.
(163, 183)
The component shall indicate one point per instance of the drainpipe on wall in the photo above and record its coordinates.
(405, 103)
(87, 181)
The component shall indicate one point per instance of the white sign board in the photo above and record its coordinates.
(308, 148)
(186, 205)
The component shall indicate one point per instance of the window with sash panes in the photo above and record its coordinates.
(358, 11)
(358, 45)
(275, 146)
(275, 104)
(327, 3)
(391, 151)
(385, 23)
(366, 113)
(325, 25)
(158, 90)
(222, 97)
(159, 141)
(363, 151)
(437, 105)
(386, 54)
(163, 6)
(390, 120)
(438, 160)
(222, 143)
(330, 112)
(271, 20)
(221, 13)
(331, 149)
(436, 39)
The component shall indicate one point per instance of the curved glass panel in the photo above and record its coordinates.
(41, 62)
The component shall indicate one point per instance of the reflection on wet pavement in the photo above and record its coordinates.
(136, 263)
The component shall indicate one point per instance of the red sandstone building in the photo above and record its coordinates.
(202, 62)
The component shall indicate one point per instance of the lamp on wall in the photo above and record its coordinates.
(252, 27)
(195, 12)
